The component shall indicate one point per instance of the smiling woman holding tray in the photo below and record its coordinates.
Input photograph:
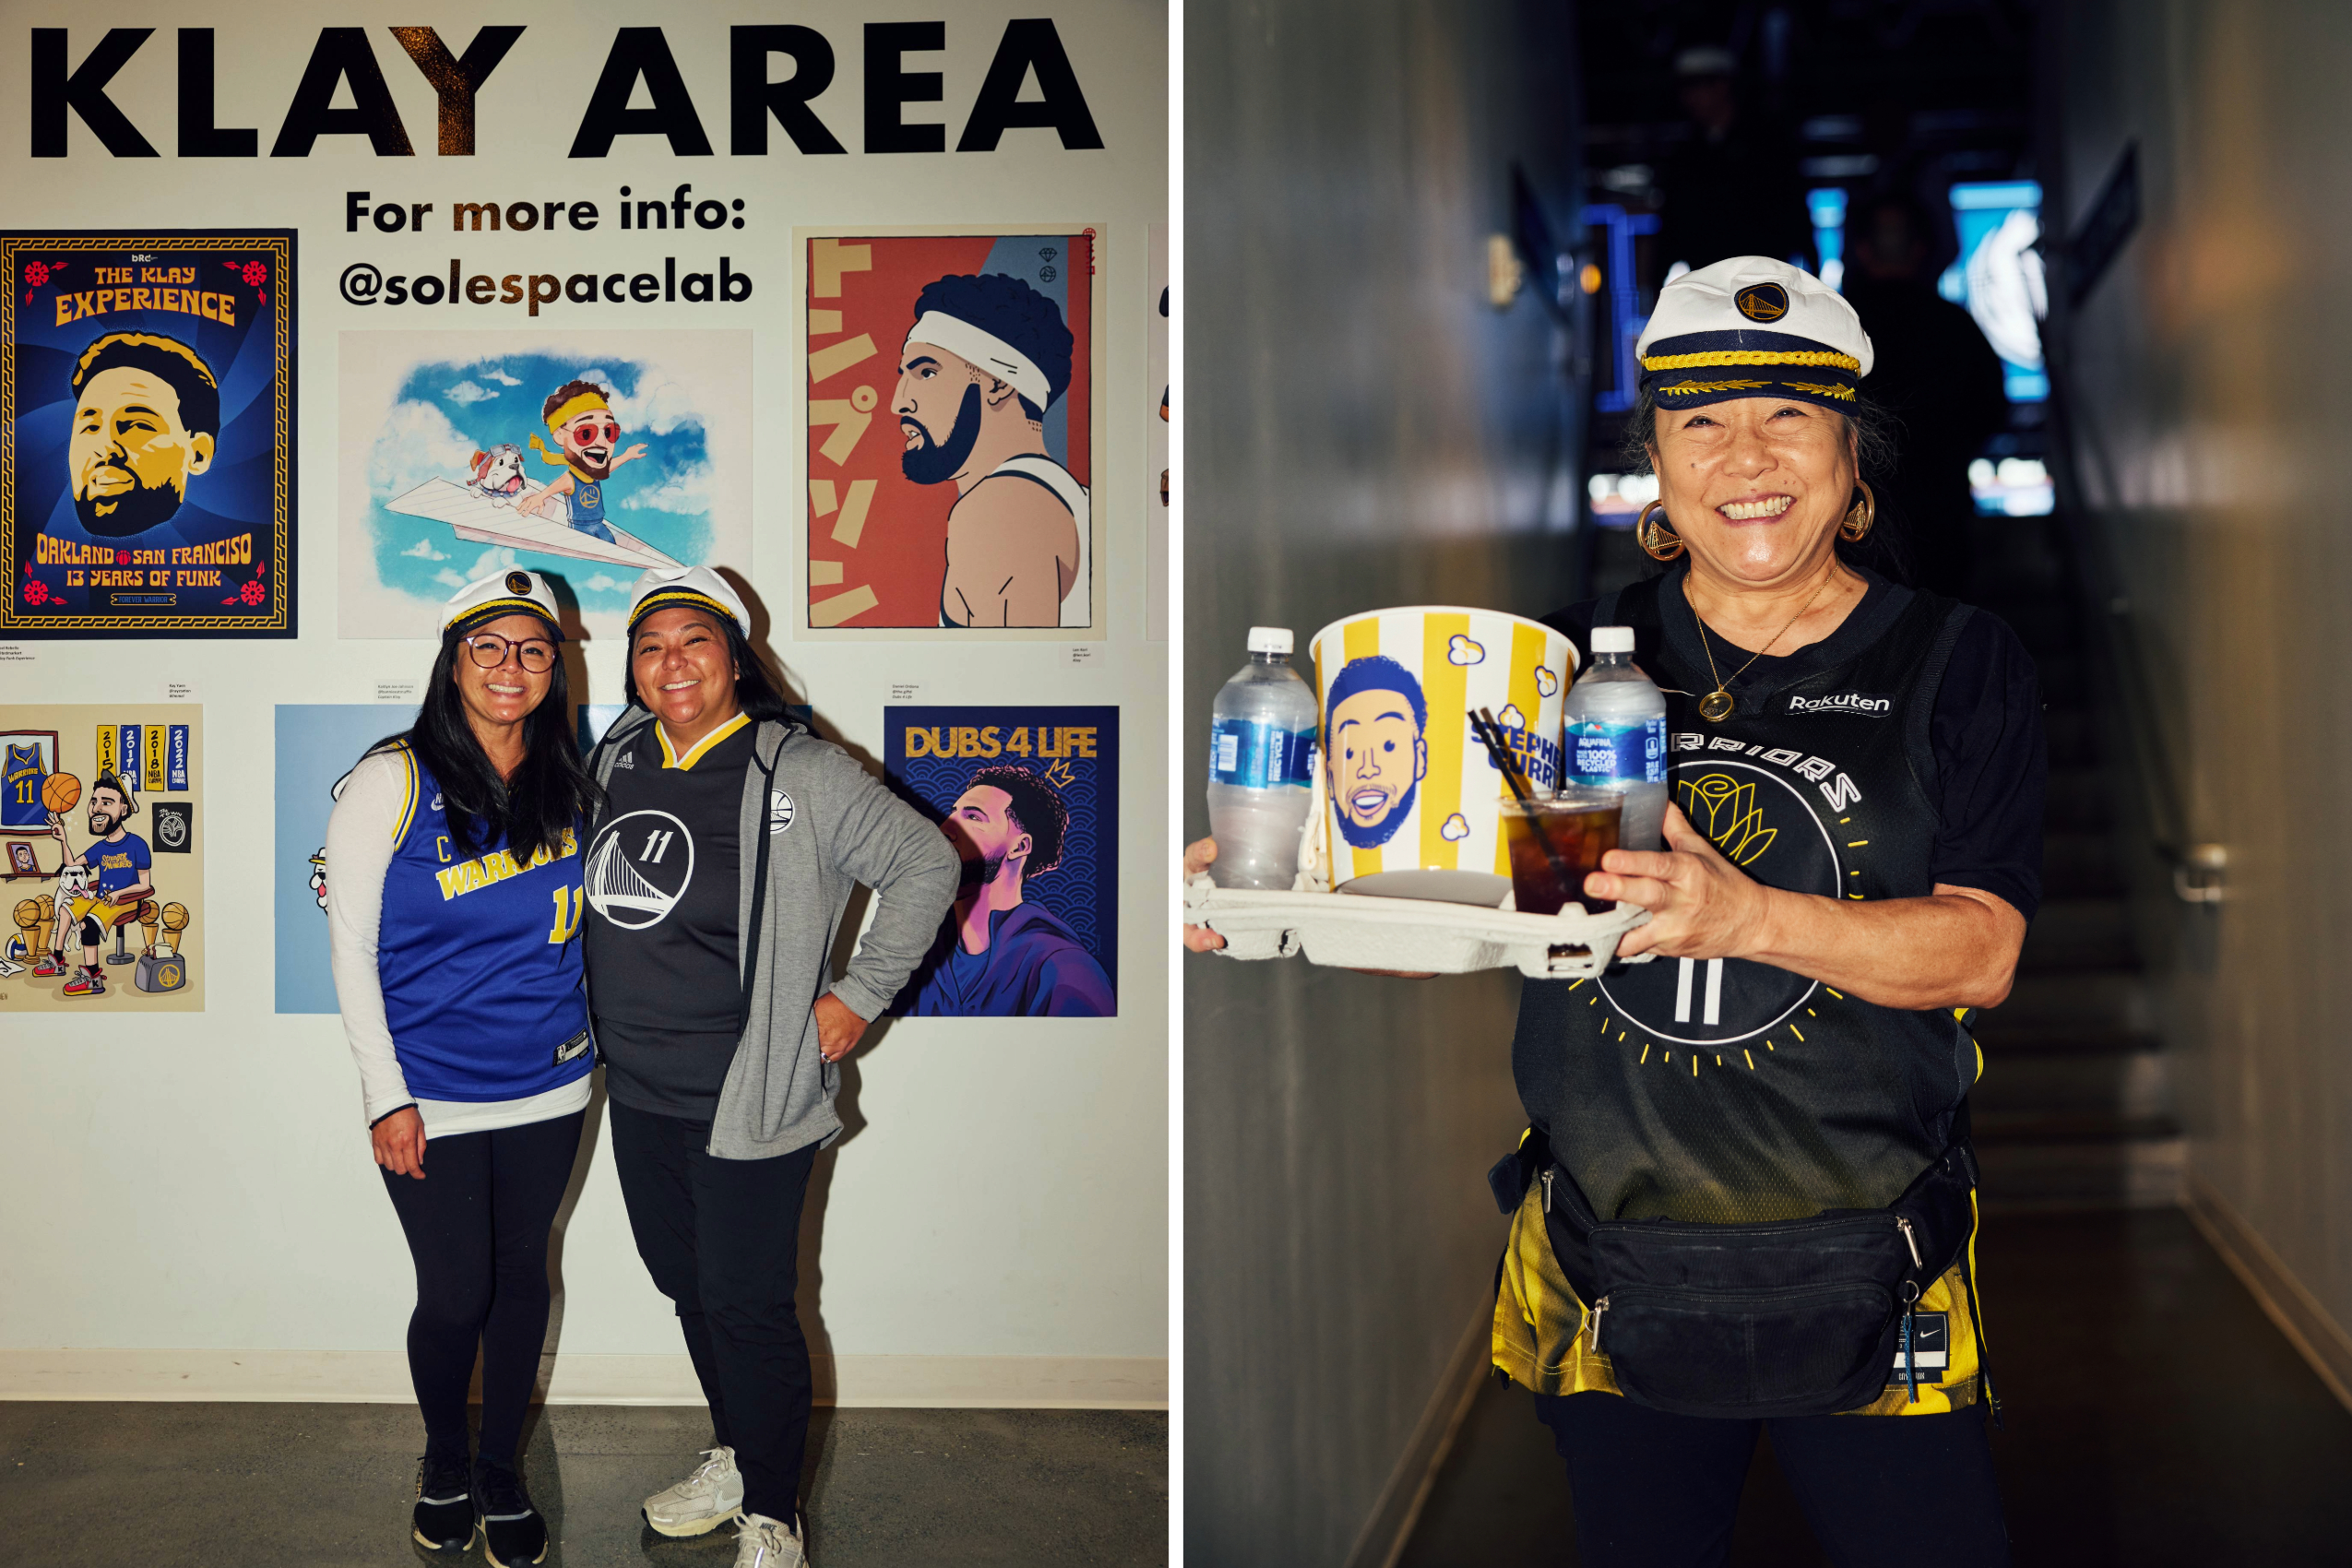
(1747, 1195)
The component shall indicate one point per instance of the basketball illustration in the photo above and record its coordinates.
(26, 913)
(60, 790)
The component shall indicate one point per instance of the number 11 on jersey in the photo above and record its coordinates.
(570, 904)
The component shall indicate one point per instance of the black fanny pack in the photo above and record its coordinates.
(1800, 1317)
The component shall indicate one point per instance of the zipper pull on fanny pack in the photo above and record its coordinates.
(1592, 1321)
(1911, 1311)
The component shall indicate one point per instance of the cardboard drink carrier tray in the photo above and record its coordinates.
(1418, 935)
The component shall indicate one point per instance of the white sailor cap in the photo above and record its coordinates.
(1750, 326)
(511, 592)
(668, 588)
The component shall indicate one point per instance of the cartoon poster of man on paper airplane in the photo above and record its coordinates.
(647, 433)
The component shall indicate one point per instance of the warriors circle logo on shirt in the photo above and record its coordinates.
(639, 869)
(781, 811)
(1763, 825)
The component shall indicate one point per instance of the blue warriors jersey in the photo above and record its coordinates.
(586, 508)
(479, 959)
(21, 781)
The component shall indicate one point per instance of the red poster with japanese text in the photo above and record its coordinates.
(951, 434)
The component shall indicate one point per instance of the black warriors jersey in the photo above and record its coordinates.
(1731, 1092)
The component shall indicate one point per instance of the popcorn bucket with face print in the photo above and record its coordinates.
(1414, 796)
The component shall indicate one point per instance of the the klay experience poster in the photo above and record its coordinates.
(102, 851)
(1029, 797)
(147, 434)
(588, 456)
(952, 453)
(318, 745)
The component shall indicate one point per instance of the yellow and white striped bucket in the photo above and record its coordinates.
(1413, 794)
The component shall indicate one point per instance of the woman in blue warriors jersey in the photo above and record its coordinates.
(1746, 1196)
(453, 868)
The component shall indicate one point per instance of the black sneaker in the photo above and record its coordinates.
(512, 1532)
(444, 1515)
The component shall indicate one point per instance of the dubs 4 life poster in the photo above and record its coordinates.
(147, 434)
(101, 854)
(1029, 797)
(952, 420)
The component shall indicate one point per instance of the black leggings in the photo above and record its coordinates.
(721, 1239)
(1656, 1491)
(477, 1226)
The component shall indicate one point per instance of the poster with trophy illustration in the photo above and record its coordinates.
(102, 833)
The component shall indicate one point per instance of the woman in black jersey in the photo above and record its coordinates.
(1746, 1195)
(716, 875)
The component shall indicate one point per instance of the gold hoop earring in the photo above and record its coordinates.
(1866, 510)
(1657, 541)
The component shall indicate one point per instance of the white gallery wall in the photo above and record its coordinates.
(190, 1210)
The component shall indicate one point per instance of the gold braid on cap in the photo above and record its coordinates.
(1752, 356)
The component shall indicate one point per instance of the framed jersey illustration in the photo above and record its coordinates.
(104, 868)
(147, 434)
(317, 744)
(955, 380)
(1029, 797)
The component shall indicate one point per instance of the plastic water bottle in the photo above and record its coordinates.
(1262, 736)
(1616, 736)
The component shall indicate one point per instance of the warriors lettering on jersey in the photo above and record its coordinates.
(1840, 794)
(467, 876)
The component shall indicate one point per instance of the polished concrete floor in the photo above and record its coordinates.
(162, 1486)
(2153, 1416)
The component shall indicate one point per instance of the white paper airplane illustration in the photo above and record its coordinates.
(475, 518)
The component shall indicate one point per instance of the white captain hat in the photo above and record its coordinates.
(1750, 326)
(511, 592)
(669, 587)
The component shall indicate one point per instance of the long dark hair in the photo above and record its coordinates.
(757, 691)
(1874, 431)
(549, 792)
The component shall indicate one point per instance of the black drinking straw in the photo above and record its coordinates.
(1490, 735)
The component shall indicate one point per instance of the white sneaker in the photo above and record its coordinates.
(767, 1543)
(703, 1501)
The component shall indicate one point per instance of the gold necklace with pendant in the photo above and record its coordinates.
(1716, 707)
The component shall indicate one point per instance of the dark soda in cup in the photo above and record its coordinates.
(1577, 826)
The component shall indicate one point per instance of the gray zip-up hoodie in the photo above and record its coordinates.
(830, 825)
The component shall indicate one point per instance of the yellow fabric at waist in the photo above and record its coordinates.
(1540, 1343)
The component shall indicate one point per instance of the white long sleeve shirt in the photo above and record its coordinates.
(359, 852)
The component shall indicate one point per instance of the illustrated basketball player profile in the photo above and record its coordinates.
(1376, 754)
(146, 418)
(986, 357)
(579, 415)
(100, 888)
(1002, 955)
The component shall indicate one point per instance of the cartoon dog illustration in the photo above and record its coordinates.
(497, 474)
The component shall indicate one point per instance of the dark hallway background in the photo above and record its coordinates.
(2130, 205)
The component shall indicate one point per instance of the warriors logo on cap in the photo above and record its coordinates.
(699, 587)
(506, 593)
(1750, 326)
(1762, 302)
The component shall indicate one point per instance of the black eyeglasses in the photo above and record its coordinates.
(490, 652)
